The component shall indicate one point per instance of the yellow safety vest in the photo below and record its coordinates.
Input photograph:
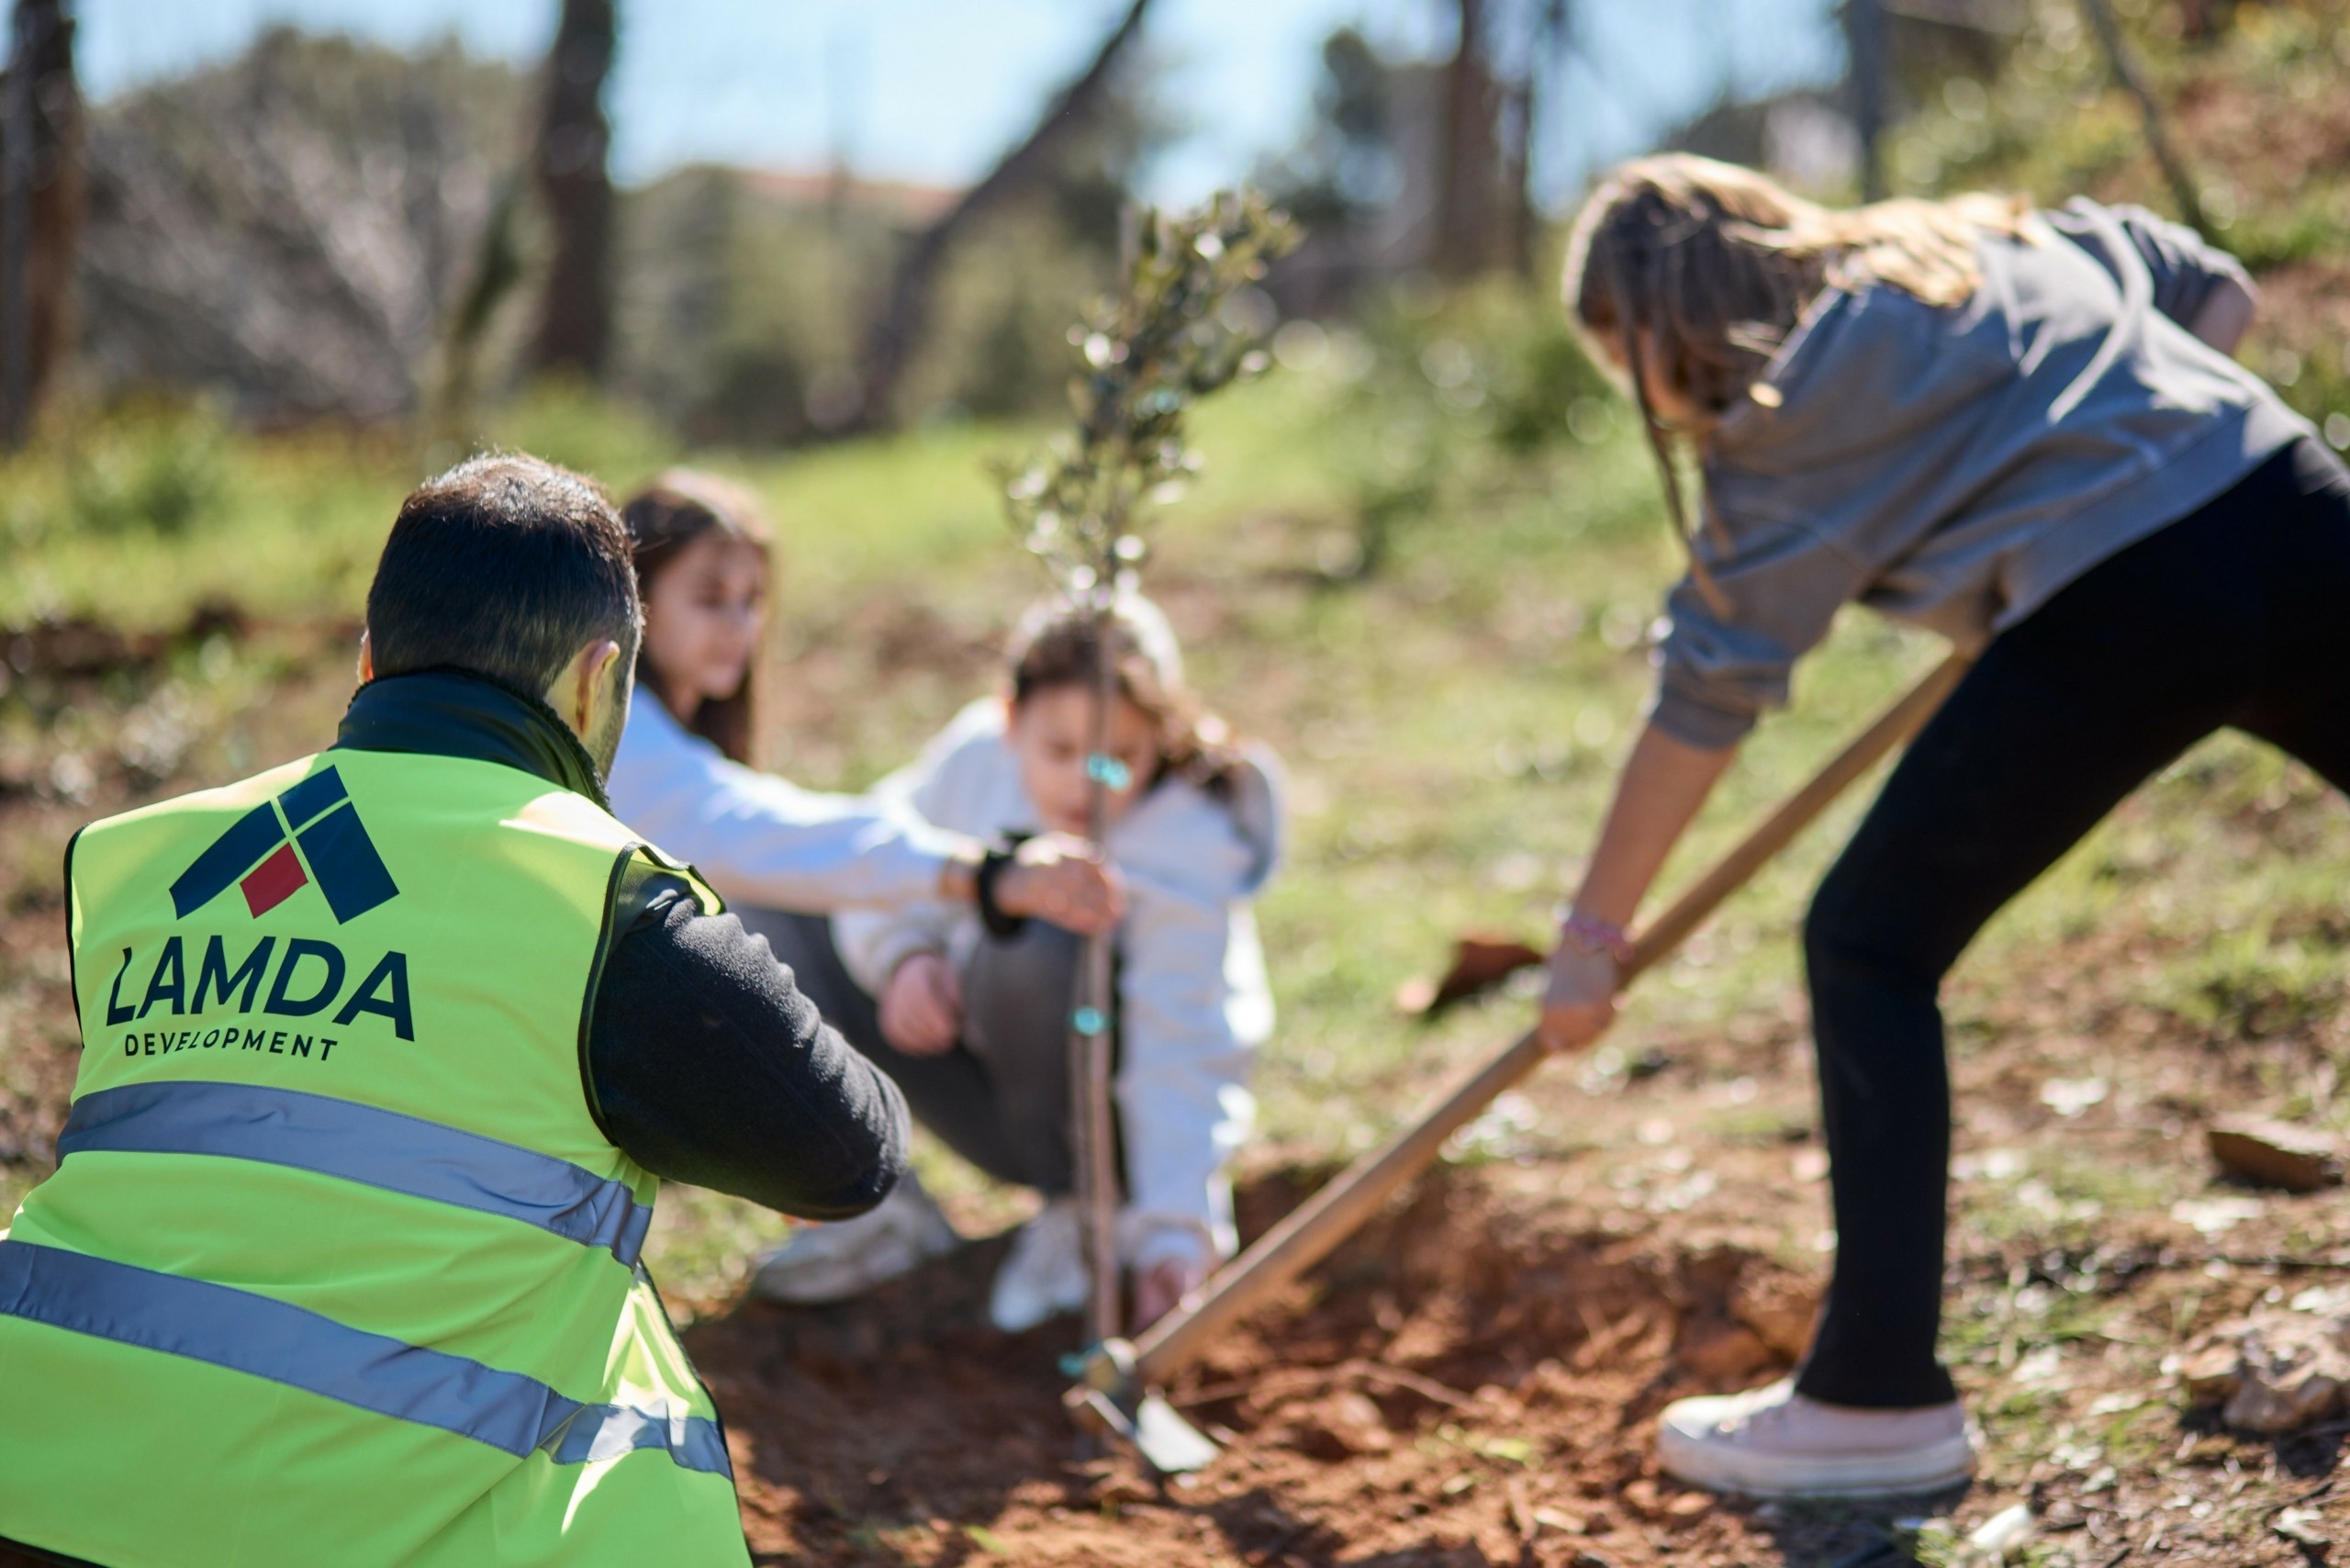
(337, 1267)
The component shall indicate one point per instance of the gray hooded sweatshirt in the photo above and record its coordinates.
(1955, 467)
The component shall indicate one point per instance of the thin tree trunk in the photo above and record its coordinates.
(1465, 202)
(40, 209)
(902, 320)
(1516, 125)
(574, 325)
(1546, 49)
(15, 242)
(498, 269)
(1092, 1101)
(2116, 59)
(1865, 39)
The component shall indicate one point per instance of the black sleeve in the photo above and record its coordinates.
(707, 1065)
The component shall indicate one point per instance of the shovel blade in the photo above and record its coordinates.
(1172, 1445)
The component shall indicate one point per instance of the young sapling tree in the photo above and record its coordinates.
(1185, 321)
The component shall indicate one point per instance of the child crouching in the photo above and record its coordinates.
(973, 1019)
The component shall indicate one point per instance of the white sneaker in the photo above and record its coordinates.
(1045, 1274)
(836, 1262)
(1773, 1442)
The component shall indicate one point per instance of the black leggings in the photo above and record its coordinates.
(2238, 614)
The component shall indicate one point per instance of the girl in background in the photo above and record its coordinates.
(973, 1013)
(2022, 429)
(785, 857)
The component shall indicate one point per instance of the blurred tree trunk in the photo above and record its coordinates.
(41, 208)
(575, 326)
(1869, 52)
(1515, 225)
(899, 325)
(2150, 113)
(1549, 38)
(499, 268)
(1469, 200)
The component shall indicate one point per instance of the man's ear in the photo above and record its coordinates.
(366, 659)
(594, 688)
(583, 690)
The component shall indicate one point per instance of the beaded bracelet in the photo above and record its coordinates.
(1589, 933)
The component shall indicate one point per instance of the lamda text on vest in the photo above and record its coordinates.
(308, 980)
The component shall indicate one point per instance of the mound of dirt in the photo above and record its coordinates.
(1459, 1383)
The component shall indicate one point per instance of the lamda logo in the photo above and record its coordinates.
(254, 853)
(309, 833)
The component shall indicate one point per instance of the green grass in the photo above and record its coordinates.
(1451, 723)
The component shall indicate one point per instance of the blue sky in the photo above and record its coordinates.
(931, 90)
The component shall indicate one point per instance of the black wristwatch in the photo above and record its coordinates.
(999, 854)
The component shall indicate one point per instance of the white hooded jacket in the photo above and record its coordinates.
(1193, 999)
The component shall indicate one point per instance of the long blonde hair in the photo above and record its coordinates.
(1700, 270)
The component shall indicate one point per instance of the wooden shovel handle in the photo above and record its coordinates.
(1335, 1212)
(1891, 730)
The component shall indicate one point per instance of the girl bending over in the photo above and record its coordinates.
(2019, 428)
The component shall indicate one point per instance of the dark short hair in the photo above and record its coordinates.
(506, 566)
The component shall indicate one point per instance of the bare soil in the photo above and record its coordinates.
(1475, 1379)
(1461, 1383)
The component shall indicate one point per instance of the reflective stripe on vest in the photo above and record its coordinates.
(360, 1143)
(274, 1340)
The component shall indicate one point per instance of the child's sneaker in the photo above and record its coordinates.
(1044, 1275)
(1773, 1442)
(836, 1262)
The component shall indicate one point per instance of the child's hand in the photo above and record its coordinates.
(922, 1007)
(1161, 1287)
(1064, 881)
(1580, 1002)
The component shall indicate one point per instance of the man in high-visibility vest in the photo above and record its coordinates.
(385, 1052)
